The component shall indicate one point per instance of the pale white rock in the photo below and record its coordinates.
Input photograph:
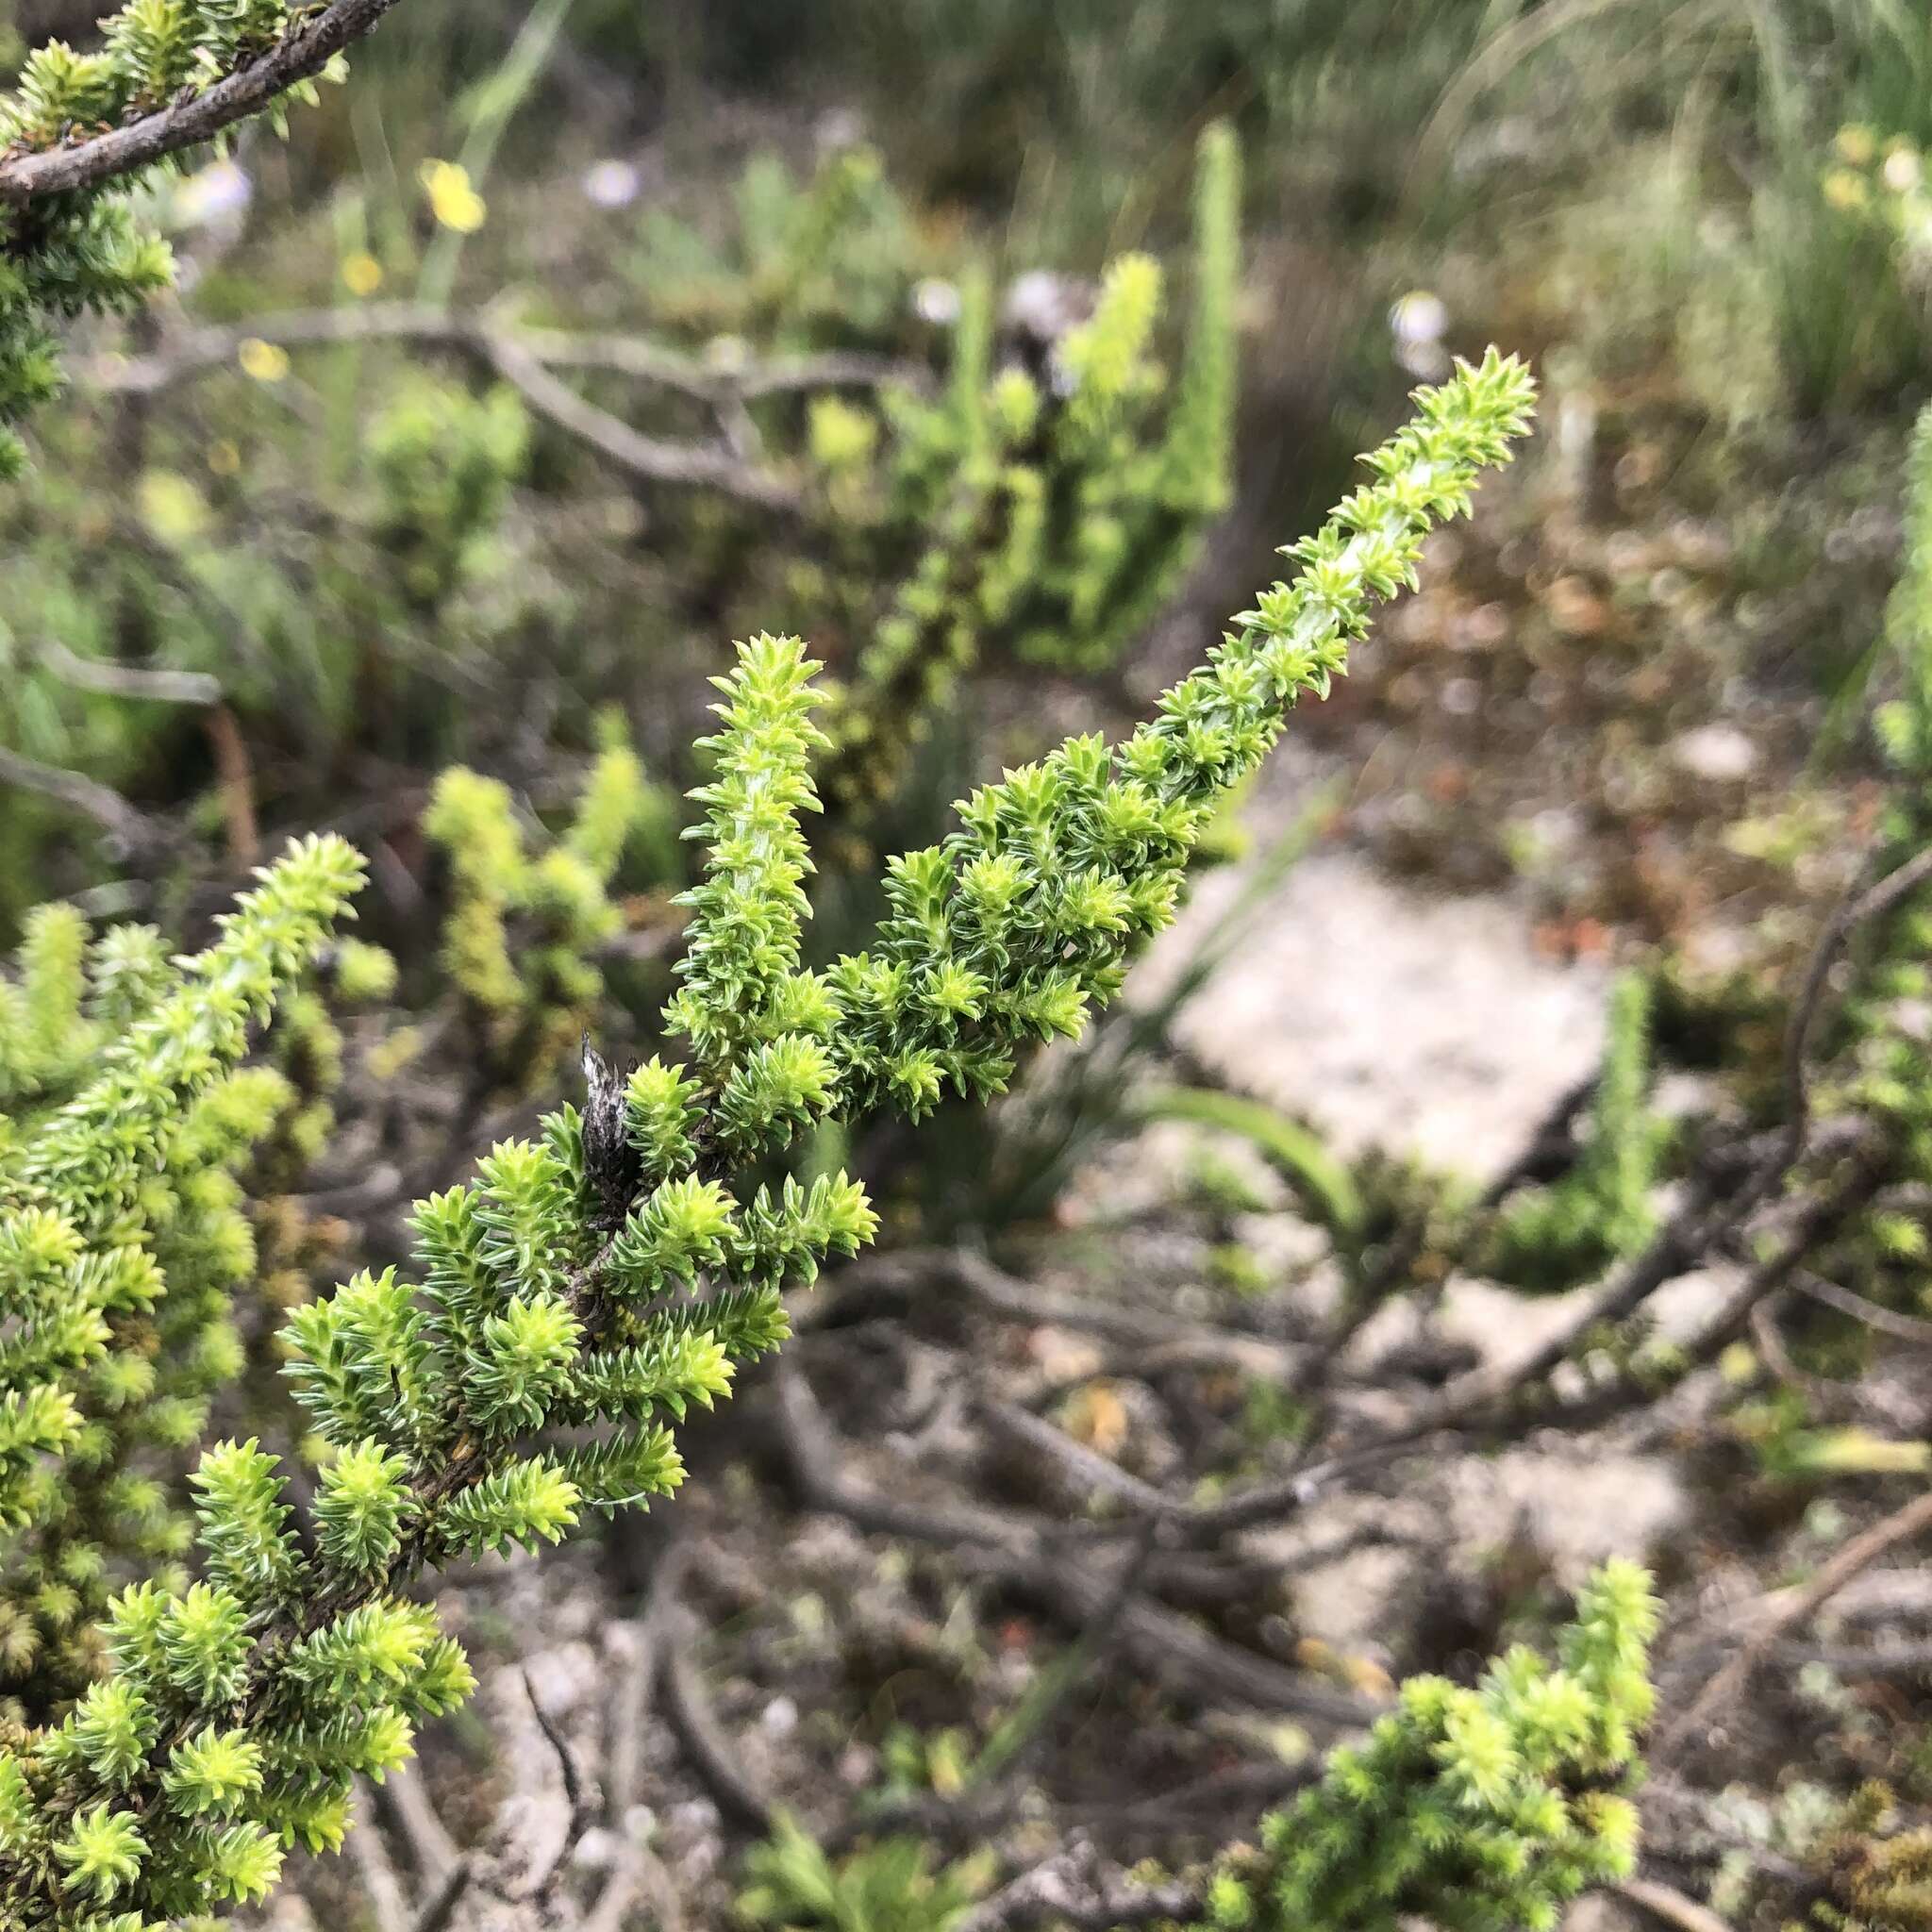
(598, 1850)
(1387, 1017)
(1683, 1308)
(1502, 1327)
(566, 1679)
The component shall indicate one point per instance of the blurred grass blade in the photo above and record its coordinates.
(1323, 1184)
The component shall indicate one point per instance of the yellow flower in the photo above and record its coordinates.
(842, 436)
(452, 200)
(172, 506)
(265, 361)
(362, 272)
(1856, 146)
(1738, 1363)
(1846, 191)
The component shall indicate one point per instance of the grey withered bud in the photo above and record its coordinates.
(614, 1166)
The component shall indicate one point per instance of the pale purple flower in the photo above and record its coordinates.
(613, 184)
(215, 196)
(1418, 322)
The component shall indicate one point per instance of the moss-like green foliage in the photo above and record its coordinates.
(1556, 1237)
(889, 1887)
(1876, 1873)
(123, 1239)
(1477, 1809)
(88, 252)
(594, 1283)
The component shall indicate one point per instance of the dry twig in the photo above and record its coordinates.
(134, 828)
(1789, 1609)
(1669, 1905)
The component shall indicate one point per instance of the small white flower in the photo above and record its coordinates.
(838, 129)
(1902, 170)
(937, 301)
(1419, 317)
(1042, 305)
(613, 184)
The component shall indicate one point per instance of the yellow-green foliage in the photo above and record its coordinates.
(1877, 1876)
(1477, 1809)
(442, 460)
(306, 1051)
(1885, 1050)
(831, 255)
(523, 927)
(531, 1363)
(326, 648)
(122, 1239)
(889, 1887)
(1043, 507)
(1905, 724)
(1555, 1238)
